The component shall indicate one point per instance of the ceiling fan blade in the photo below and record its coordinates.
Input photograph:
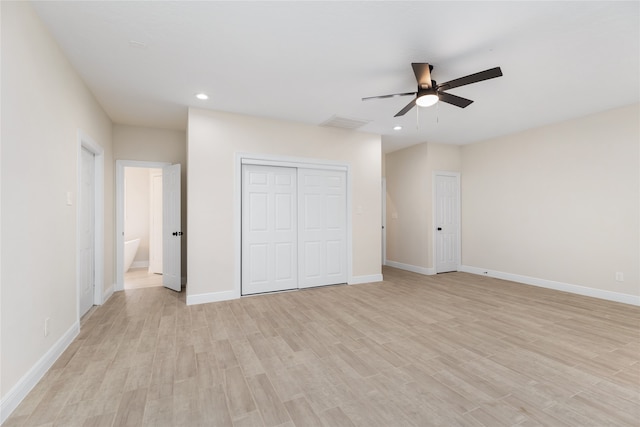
(423, 74)
(393, 95)
(472, 78)
(408, 107)
(458, 101)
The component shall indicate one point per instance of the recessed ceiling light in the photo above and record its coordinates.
(202, 96)
(397, 128)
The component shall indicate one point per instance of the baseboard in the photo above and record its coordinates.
(19, 391)
(108, 292)
(229, 295)
(212, 297)
(371, 278)
(413, 268)
(558, 286)
(140, 264)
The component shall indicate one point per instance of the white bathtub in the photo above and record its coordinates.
(130, 249)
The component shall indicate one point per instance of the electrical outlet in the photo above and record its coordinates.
(619, 276)
(46, 326)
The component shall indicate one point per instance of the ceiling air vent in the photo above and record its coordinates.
(344, 122)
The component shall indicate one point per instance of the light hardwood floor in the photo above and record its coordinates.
(137, 278)
(448, 350)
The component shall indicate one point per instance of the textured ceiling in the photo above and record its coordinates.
(309, 61)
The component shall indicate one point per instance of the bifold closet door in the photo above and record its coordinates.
(322, 225)
(269, 232)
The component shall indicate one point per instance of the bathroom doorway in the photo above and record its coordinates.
(142, 265)
(139, 242)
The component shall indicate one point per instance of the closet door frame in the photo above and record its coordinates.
(283, 161)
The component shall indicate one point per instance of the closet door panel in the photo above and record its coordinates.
(322, 227)
(269, 230)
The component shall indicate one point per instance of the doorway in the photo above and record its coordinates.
(142, 227)
(86, 237)
(171, 221)
(90, 223)
(384, 221)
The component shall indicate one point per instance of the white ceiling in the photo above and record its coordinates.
(308, 61)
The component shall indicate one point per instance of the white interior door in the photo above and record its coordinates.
(323, 227)
(447, 222)
(155, 224)
(87, 231)
(269, 249)
(171, 228)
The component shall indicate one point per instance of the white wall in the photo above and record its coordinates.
(44, 103)
(556, 206)
(409, 175)
(149, 144)
(214, 138)
(407, 207)
(155, 145)
(558, 203)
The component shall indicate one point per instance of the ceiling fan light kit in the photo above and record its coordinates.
(429, 92)
(427, 99)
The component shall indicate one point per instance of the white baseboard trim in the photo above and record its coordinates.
(19, 391)
(371, 278)
(212, 297)
(108, 292)
(413, 268)
(558, 286)
(140, 264)
(229, 295)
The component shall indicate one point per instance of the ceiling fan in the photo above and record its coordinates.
(429, 92)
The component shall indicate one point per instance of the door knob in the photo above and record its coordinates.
(439, 228)
(177, 233)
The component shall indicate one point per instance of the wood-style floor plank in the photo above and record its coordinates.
(453, 349)
(131, 408)
(269, 404)
(239, 396)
